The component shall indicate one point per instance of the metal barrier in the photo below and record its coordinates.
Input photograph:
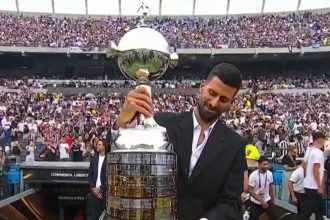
(16, 197)
(283, 216)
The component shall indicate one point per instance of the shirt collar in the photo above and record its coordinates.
(196, 123)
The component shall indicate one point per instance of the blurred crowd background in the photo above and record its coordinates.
(294, 30)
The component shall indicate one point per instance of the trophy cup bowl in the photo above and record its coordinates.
(143, 49)
(141, 165)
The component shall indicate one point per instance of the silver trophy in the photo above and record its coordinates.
(142, 166)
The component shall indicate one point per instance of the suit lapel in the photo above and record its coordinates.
(214, 145)
(96, 166)
(184, 142)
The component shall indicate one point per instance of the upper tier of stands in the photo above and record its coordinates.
(296, 30)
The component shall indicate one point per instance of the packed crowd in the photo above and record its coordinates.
(298, 29)
(263, 82)
(66, 127)
(275, 121)
(43, 83)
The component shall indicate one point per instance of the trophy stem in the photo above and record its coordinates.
(142, 80)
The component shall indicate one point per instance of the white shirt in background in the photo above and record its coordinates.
(20, 126)
(308, 150)
(99, 168)
(261, 182)
(30, 156)
(64, 150)
(297, 177)
(315, 156)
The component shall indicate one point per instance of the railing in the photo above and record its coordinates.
(16, 197)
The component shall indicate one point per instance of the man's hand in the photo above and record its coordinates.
(294, 200)
(320, 190)
(137, 101)
(264, 205)
(97, 192)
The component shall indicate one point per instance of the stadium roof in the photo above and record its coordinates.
(161, 7)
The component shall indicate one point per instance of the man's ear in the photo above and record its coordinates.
(202, 85)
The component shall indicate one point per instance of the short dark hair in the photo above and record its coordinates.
(228, 74)
(262, 159)
(105, 144)
(318, 135)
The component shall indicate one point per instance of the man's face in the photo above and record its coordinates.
(294, 153)
(263, 166)
(216, 98)
(100, 146)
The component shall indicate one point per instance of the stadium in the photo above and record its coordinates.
(62, 89)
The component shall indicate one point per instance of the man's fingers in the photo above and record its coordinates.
(140, 106)
(138, 90)
(141, 96)
(142, 110)
(142, 89)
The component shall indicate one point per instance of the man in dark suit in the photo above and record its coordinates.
(211, 156)
(97, 181)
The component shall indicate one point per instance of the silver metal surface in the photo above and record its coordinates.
(143, 52)
(141, 166)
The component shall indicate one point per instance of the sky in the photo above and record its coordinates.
(169, 7)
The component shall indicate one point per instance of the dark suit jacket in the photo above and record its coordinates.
(214, 188)
(93, 168)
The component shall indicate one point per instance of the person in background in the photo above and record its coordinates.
(261, 191)
(88, 152)
(49, 153)
(78, 147)
(2, 177)
(300, 144)
(30, 148)
(314, 179)
(97, 181)
(306, 156)
(296, 189)
(289, 160)
(64, 150)
(327, 168)
(251, 152)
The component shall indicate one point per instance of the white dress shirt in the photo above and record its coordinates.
(99, 168)
(196, 151)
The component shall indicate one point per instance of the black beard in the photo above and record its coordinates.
(207, 116)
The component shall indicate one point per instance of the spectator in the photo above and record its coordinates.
(30, 149)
